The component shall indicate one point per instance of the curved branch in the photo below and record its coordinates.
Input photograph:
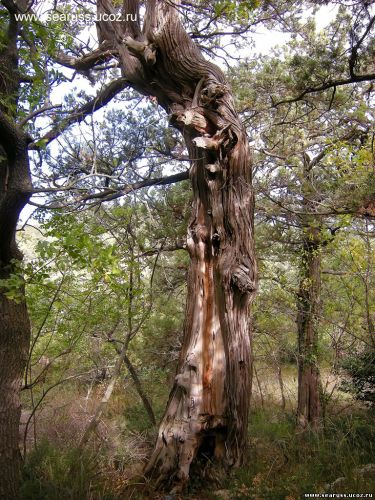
(84, 63)
(103, 98)
(326, 86)
(159, 181)
(112, 194)
(37, 112)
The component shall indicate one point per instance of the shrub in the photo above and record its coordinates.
(360, 370)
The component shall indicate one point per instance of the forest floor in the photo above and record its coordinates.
(280, 462)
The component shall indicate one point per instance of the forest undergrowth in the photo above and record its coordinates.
(281, 463)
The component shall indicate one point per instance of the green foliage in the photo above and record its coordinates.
(303, 211)
(103, 274)
(360, 370)
(238, 10)
(283, 464)
(14, 284)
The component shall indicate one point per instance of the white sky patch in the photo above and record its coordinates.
(325, 15)
(266, 40)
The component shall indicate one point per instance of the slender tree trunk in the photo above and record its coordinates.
(15, 188)
(259, 386)
(208, 407)
(366, 278)
(138, 385)
(95, 420)
(308, 308)
(281, 385)
(140, 390)
(309, 407)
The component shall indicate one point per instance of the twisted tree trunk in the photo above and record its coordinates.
(207, 411)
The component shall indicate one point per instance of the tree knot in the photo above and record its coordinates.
(242, 280)
(142, 50)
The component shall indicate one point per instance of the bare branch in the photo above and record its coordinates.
(37, 112)
(112, 194)
(88, 61)
(326, 86)
(159, 181)
(354, 51)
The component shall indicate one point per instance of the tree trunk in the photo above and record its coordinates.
(309, 407)
(208, 406)
(308, 306)
(138, 387)
(207, 411)
(279, 374)
(14, 343)
(14, 322)
(15, 188)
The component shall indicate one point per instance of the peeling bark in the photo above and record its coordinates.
(208, 406)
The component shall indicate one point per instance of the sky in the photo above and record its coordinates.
(264, 41)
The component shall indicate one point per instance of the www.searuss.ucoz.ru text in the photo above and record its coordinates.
(81, 18)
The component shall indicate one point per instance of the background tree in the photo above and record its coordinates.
(303, 188)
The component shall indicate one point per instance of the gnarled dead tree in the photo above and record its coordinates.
(208, 405)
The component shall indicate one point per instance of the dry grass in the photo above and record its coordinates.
(279, 462)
